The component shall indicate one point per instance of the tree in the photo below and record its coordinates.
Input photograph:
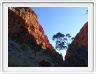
(62, 41)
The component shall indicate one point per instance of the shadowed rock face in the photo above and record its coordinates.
(27, 28)
(28, 46)
(77, 53)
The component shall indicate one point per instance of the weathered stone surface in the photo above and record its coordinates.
(28, 46)
(77, 53)
(25, 26)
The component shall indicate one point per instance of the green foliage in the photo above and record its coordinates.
(62, 41)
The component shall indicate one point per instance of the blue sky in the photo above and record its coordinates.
(61, 19)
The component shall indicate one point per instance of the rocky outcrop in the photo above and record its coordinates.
(77, 53)
(23, 31)
(28, 46)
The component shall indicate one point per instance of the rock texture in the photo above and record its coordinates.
(27, 43)
(77, 53)
(27, 28)
(28, 46)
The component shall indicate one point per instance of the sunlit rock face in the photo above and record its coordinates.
(28, 46)
(27, 43)
(27, 28)
(77, 53)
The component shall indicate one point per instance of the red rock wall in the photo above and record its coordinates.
(78, 50)
(26, 35)
(26, 25)
(23, 26)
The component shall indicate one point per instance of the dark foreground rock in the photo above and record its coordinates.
(28, 46)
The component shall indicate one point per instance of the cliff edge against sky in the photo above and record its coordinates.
(28, 46)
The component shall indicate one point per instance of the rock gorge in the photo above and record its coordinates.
(28, 46)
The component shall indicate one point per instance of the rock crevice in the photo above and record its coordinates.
(28, 46)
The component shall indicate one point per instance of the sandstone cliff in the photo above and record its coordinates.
(77, 53)
(28, 46)
(27, 43)
(27, 28)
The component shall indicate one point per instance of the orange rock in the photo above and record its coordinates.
(24, 24)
